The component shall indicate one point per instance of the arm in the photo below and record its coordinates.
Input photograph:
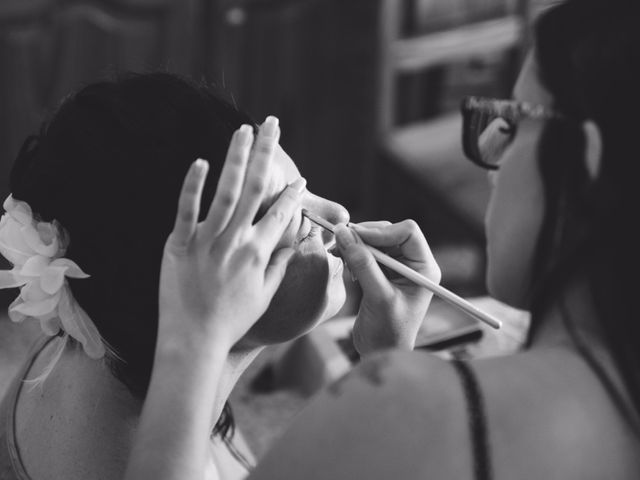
(208, 270)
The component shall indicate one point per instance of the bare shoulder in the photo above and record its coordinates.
(548, 416)
(395, 414)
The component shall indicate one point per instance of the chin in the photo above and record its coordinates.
(337, 295)
(336, 291)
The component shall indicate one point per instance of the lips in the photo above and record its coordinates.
(334, 250)
(336, 264)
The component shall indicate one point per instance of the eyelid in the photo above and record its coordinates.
(305, 228)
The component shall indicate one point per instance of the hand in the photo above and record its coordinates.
(392, 308)
(219, 276)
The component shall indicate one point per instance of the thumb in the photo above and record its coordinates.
(276, 269)
(362, 264)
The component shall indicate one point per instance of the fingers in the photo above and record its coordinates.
(272, 226)
(362, 264)
(377, 224)
(189, 204)
(230, 183)
(257, 177)
(405, 235)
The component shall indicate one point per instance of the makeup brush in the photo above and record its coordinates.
(416, 277)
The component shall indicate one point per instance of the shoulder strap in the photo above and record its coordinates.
(8, 410)
(477, 420)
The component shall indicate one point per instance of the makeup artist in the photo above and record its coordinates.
(561, 243)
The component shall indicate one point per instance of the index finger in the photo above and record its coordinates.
(275, 221)
(406, 236)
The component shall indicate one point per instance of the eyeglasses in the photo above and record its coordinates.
(478, 113)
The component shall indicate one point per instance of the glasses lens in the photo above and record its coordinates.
(475, 123)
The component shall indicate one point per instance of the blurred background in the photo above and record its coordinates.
(367, 92)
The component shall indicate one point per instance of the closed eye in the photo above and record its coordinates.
(313, 232)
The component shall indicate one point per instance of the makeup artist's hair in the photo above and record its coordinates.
(588, 55)
(109, 166)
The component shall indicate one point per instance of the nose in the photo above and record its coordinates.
(331, 211)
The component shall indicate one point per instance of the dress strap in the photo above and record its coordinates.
(10, 402)
(477, 420)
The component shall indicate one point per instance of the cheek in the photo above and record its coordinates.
(299, 302)
(513, 222)
(304, 284)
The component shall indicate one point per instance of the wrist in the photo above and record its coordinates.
(191, 346)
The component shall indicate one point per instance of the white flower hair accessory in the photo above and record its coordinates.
(36, 250)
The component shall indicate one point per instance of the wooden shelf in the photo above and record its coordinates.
(478, 38)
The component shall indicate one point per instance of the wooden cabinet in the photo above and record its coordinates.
(49, 47)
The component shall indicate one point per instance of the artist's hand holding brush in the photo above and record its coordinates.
(392, 308)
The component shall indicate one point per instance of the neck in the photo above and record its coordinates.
(52, 418)
(237, 362)
(573, 320)
(574, 305)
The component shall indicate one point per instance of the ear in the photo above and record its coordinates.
(593, 148)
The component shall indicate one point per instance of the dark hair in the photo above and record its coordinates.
(588, 58)
(109, 166)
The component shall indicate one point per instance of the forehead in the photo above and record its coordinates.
(528, 87)
(283, 172)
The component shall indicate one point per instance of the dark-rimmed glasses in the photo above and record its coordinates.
(479, 112)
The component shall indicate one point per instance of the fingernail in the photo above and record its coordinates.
(299, 184)
(353, 277)
(270, 126)
(245, 134)
(201, 164)
(344, 236)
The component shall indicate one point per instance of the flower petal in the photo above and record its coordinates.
(12, 243)
(21, 212)
(73, 270)
(47, 232)
(10, 279)
(79, 325)
(50, 325)
(52, 279)
(9, 203)
(32, 238)
(32, 292)
(15, 316)
(35, 266)
(38, 308)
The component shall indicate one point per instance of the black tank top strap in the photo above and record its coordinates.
(477, 421)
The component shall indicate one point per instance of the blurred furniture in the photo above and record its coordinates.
(469, 47)
(50, 47)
